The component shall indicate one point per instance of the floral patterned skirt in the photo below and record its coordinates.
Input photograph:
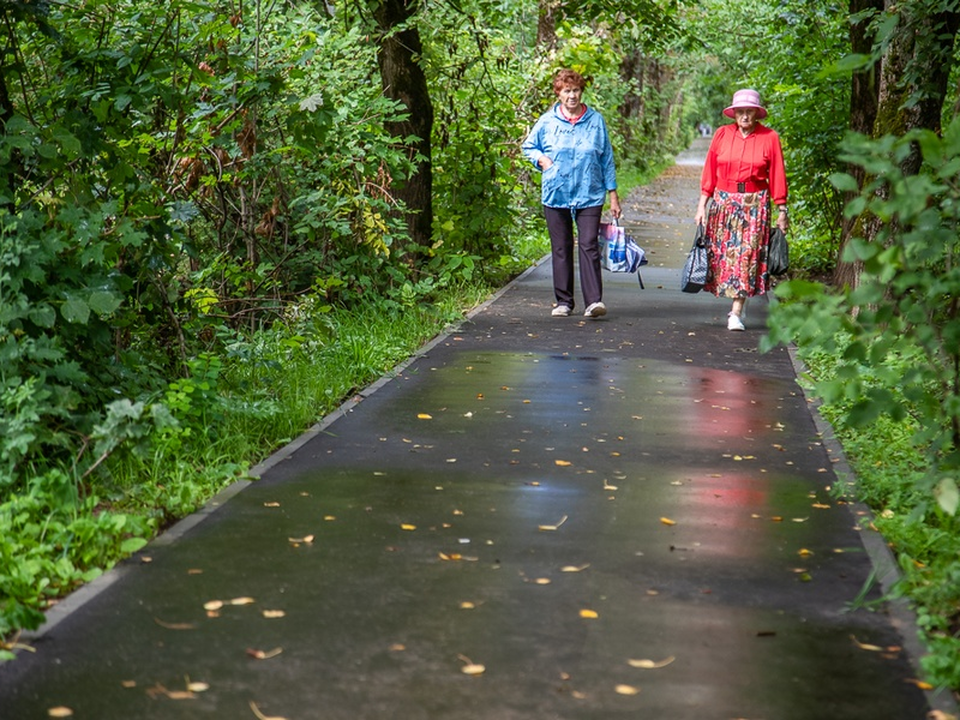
(738, 236)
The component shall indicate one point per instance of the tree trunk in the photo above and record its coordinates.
(403, 79)
(864, 91)
(913, 80)
(547, 24)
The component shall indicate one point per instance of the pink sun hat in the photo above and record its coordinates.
(746, 99)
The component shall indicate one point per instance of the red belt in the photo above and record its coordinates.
(748, 186)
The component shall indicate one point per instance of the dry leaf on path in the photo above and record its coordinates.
(261, 716)
(470, 667)
(650, 664)
(553, 527)
(174, 626)
(668, 521)
(61, 711)
(589, 614)
(626, 690)
(574, 568)
(866, 646)
(264, 654)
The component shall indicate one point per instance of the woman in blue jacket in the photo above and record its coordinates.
(571, 147)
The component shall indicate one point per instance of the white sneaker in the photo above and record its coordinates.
(734, 322)
(595, 310)
(561, 311)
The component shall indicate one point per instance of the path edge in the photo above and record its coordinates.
(887, 572)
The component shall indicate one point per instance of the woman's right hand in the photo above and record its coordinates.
(545, 162)
(701, 210)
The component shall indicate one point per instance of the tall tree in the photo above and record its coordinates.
(864, 95)
(918, 51)
(403, 79)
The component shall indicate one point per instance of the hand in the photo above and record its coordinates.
(701, 215)
(615, 205)
(544, 162)
(783, 222)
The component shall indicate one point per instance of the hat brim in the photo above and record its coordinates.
(761, 111)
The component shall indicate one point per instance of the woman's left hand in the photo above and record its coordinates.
(783, 222)
(615, 204)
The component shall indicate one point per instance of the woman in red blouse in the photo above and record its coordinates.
(742, 175)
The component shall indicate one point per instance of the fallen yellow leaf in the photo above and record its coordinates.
(668, 521)
(264, 654)
(589, 614)
(553, 527)
(542, 581)
(61, 711)
(198, 687)
(306, 540)
(271, 504)
(574, 568)
(213, 605)
(562, 463)
(407, 526)
(626, 690)
(260, 715)
(273, 614)
(424, 416)
(242, 601)
(804, 552)
(651, 664)
(467, 605)
(470, 667)
(866, 646)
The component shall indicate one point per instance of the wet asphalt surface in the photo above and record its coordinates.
(548, 498)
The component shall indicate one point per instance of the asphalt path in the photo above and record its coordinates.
(535, 517)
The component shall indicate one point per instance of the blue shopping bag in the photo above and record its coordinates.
(619, 252)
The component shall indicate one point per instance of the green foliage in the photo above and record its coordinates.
(887, 365)
(897, 334)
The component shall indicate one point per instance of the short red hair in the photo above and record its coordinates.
(568, 78)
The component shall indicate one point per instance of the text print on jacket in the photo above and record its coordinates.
(583, 169)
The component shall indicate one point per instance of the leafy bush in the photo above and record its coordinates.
(887, 358)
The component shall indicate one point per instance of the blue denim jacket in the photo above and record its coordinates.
(583, 170)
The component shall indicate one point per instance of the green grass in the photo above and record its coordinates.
(889, 471)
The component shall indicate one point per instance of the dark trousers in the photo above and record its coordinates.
(560, 226)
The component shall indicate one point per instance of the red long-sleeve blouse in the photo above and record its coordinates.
(756, 159)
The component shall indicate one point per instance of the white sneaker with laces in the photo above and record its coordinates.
(595, 310)
(734, 322)
(561, 311)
